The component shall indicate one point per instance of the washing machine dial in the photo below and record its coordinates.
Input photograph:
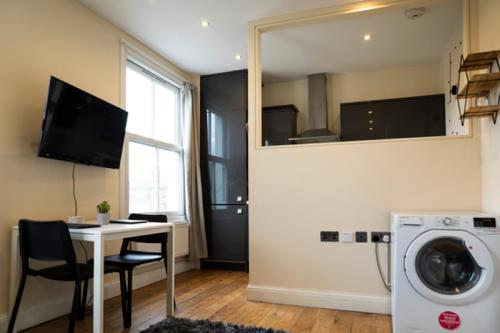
(447, 221)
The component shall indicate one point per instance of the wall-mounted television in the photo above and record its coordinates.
(81, 128)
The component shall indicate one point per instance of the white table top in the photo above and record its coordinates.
(119, 228)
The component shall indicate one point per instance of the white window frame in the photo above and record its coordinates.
(130, 53)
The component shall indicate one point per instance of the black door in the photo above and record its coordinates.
(226, 156)
(446, 266)
(223, 158)
(227, 233)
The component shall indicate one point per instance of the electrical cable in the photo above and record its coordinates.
(76, 209)
(387, 285)
(74, 189)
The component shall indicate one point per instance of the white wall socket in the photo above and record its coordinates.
(347, 236)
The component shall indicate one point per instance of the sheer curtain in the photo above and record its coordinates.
(194, 198)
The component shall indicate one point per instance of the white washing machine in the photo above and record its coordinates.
(445, 273)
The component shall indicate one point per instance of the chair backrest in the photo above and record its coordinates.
(45, 241)
(150, 239)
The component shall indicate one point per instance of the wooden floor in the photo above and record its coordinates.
(220, 295)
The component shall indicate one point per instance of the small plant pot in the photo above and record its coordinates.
(103, 218)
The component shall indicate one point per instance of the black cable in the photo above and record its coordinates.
(386, 285)
(74, 190)
(76, 210)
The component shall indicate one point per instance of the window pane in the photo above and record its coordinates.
(165, 123)
(170, 181)
(143, 186)
(139, 98)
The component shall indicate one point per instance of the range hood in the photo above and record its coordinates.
(317, 114)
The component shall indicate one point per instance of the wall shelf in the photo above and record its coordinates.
(478, 61)
(479, 85)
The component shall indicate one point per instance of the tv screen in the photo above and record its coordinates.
(81, 128)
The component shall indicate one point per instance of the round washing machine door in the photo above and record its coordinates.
(449, 266)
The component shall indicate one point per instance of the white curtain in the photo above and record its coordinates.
(194, 198)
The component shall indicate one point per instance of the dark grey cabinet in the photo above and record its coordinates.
(223, 150)
(393, 118)
(279, 123)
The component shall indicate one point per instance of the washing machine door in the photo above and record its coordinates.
(449, 266)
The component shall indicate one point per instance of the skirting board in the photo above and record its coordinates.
(320, 298)
(57, 307)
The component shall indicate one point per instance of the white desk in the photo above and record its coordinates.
(98, 236)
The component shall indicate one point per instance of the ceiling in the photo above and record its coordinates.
(173, 29)
(337, 46)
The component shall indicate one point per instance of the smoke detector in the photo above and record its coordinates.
(415, 13)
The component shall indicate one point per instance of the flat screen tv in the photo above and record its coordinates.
(81, 128)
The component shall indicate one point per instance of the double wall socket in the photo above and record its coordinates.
(329, 236)
(378, 236)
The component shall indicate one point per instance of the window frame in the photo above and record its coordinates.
(166, 77)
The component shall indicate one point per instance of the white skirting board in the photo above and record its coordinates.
(320, 298)
(59, 306)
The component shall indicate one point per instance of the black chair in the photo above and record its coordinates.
(127, 260)
(51, 241)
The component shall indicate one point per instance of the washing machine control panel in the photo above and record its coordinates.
(485, 222)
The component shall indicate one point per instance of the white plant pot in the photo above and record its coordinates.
(103, 218)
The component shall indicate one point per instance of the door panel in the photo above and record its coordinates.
(226, 156)
(227, 231)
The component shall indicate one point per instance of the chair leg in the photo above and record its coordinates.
(128, 321)
(17, 303)
(123, 292)
(83, 305)
(76, 305)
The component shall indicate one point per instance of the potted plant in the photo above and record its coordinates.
(103, 215)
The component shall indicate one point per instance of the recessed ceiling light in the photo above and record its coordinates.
(205, 23)
(367, 37)
(237, 56)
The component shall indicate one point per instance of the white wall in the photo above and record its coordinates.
(297, 191)
(40, 39)
(488, 38)
(449, 72)
(288, 92)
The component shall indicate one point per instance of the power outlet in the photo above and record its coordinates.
(378, 236)
(361, 237)
(329, 236)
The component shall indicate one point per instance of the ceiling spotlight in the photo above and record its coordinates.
(367, 37)
(205, 23)
(237, 56)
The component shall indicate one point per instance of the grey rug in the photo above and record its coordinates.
(180, 325)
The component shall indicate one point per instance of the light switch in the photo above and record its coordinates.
(347, 236)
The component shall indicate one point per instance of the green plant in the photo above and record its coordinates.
(103, 207)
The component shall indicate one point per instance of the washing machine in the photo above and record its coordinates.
(445, 275)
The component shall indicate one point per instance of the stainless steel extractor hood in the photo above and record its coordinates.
(317, 114)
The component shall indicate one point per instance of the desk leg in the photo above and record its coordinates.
(98, 284)
(14, 271)
(171, 272)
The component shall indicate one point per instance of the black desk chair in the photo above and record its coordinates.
(127, 260)
(51, 241)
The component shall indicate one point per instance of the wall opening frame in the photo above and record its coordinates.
(257, 28)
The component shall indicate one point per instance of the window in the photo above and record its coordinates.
(154, 163)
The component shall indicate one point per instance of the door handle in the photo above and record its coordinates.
(239, 198)
(239, 211)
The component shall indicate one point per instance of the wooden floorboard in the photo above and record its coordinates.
(221, 295)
